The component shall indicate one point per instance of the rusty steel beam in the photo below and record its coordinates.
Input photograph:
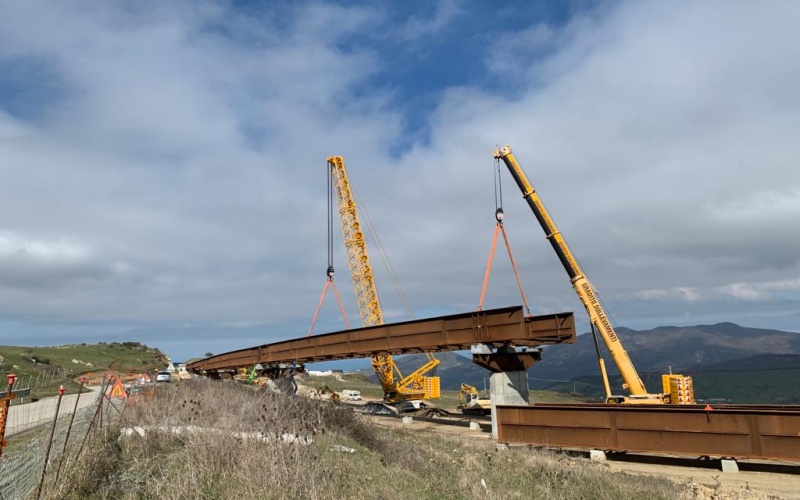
(496, 327)
(692, 430)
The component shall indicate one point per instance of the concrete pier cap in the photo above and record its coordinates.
(505, 358)
(508, 384)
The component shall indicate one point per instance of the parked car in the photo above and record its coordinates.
(350, 395)
(163, 377)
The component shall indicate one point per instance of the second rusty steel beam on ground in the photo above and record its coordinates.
(496, 327)
(738, 431)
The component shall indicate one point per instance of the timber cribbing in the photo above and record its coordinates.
(496, 327)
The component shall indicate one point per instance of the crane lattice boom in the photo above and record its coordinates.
(416, 385)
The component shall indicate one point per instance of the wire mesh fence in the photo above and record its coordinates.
(28, 435)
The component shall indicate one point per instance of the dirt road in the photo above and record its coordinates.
(712, 483)
(30, 415)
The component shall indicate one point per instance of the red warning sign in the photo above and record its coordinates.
(118, 390)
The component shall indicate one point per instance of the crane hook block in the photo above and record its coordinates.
(330, 271)
(498, 214)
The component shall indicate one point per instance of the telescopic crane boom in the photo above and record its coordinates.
(588, 297)
(395, 386)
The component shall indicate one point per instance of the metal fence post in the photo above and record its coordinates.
(103, 387)
(69, 427)
(5, 402)
(50, 442)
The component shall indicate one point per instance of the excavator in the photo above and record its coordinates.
(396, 387)
(333, 395)
(471, 403)
(677, 389)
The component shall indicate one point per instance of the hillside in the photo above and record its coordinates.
(744, 365)
(763, 378)
(727, 361)
(755, 363)
(44, 369)
(658, 349)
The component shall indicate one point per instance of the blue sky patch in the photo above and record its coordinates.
(29, 87)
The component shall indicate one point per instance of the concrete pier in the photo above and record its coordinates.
(509, 379)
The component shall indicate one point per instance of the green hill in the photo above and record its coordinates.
(727, 361)
(658, 349)
(44, 369)
(760, 379)
(755, 363)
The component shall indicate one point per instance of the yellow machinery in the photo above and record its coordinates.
(470, 402)
(395, 387)
(334, 396)
(599, 319)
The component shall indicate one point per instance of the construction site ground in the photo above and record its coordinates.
(756, 479)
(771, 480)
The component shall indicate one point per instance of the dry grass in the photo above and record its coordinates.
(387, 463)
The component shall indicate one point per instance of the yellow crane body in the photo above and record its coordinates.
(587, 295)
(395, 386)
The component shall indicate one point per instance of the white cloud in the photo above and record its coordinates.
(418, 26)
(781, 204)
(184, 152)
(764, 291)
(10, 128)
(13, 247)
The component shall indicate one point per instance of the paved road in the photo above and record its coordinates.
(27, 416)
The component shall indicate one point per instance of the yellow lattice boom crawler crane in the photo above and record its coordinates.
(677, 388)
(395, 387)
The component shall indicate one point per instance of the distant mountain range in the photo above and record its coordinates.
(762, 378)
(727, 361)
(658, 349)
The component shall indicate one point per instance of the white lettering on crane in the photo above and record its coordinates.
(598, 311)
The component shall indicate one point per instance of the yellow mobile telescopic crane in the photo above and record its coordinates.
(677, 388)
(396, 388)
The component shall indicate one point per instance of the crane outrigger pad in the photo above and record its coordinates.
(495, 327)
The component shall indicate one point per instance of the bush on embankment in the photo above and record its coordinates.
(213, 462)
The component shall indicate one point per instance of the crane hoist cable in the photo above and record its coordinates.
(329, 283)
(499, 215)
(387, 262)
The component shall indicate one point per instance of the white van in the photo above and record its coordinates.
(349, 395)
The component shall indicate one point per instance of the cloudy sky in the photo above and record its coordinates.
(163, 163)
